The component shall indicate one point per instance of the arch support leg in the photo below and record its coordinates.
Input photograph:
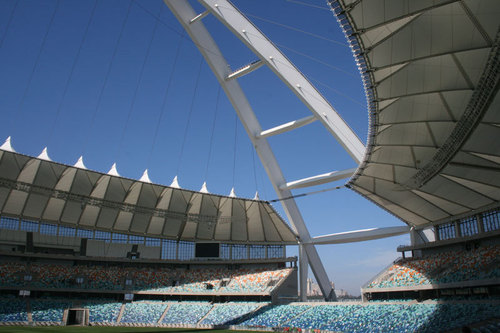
(303, 272)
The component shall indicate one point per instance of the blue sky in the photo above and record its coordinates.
(107, 80)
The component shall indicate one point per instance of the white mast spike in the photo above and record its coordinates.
(80, 164)
(204, 188)
(145, 177)
(7, 146)
(44, 155)
(113, 171)
(175, 183)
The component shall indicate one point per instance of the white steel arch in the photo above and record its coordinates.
(321, 110)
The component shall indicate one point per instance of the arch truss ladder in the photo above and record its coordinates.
(321, 110)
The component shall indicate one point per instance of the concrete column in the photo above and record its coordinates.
(458, 233)
(480, 223)
(303, 271)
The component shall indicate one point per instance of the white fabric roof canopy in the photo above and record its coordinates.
(38, 189)
(431, 72)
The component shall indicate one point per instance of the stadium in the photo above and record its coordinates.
(89, 250)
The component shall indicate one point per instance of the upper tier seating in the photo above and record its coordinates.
(445, 267)
(153, 280)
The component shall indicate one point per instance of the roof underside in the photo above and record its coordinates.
(431, 73)
(39, 189)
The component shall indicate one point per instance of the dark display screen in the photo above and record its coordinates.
(206, 250)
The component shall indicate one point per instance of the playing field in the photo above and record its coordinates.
(95, 329)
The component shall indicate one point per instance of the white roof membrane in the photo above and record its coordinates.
(41, 190)
(431, 73)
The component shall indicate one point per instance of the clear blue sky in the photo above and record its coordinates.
(67, 86)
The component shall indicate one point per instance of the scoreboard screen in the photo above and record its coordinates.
(206, 250)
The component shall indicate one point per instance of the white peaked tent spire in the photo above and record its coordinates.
(175, 183)
(204, 188)
(232, 194)
(7, 146)
(256, 197)
(113, 171)
(44, 155)
(145, 177)
(79, 163)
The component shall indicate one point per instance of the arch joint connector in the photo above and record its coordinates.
(199, 17)
(287, 127)
(245, 70)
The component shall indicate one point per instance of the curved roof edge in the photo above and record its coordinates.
(37, 189)
(430, 71)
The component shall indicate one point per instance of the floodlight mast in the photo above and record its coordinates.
(269, 55)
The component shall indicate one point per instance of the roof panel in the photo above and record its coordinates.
(239, 221)
(433, 89)
(65, 194)
(255, 229)
(416, 108)
(486, 12)
(72, 211)
(9, 166)
(123, 220)
(140, 223)
(15, 203)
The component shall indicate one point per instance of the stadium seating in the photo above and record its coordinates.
(228, 313)
(186, 313)
(11, 274)
(274, 315)
(13, 310)
(146, 313)
(398, 317)
(102, 312)
(160, 280)
(446, 267)
(393, 317)
(487, 327)
(48, 310)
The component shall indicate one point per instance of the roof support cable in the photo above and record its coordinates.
(35, 66)
(212, 132)
(137, 86)
(7, 27)
(235, 145)
(72, 71)
(308, 193)
(189, 116)
(254, 170)
(165, 97)
(106, 77)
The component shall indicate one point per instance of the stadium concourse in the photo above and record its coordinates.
(80, 247)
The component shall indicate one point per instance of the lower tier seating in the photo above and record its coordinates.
(426, 317)
(145, 313)
(186, 313)
(102, 312)
(13, 310)
(228, 313)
